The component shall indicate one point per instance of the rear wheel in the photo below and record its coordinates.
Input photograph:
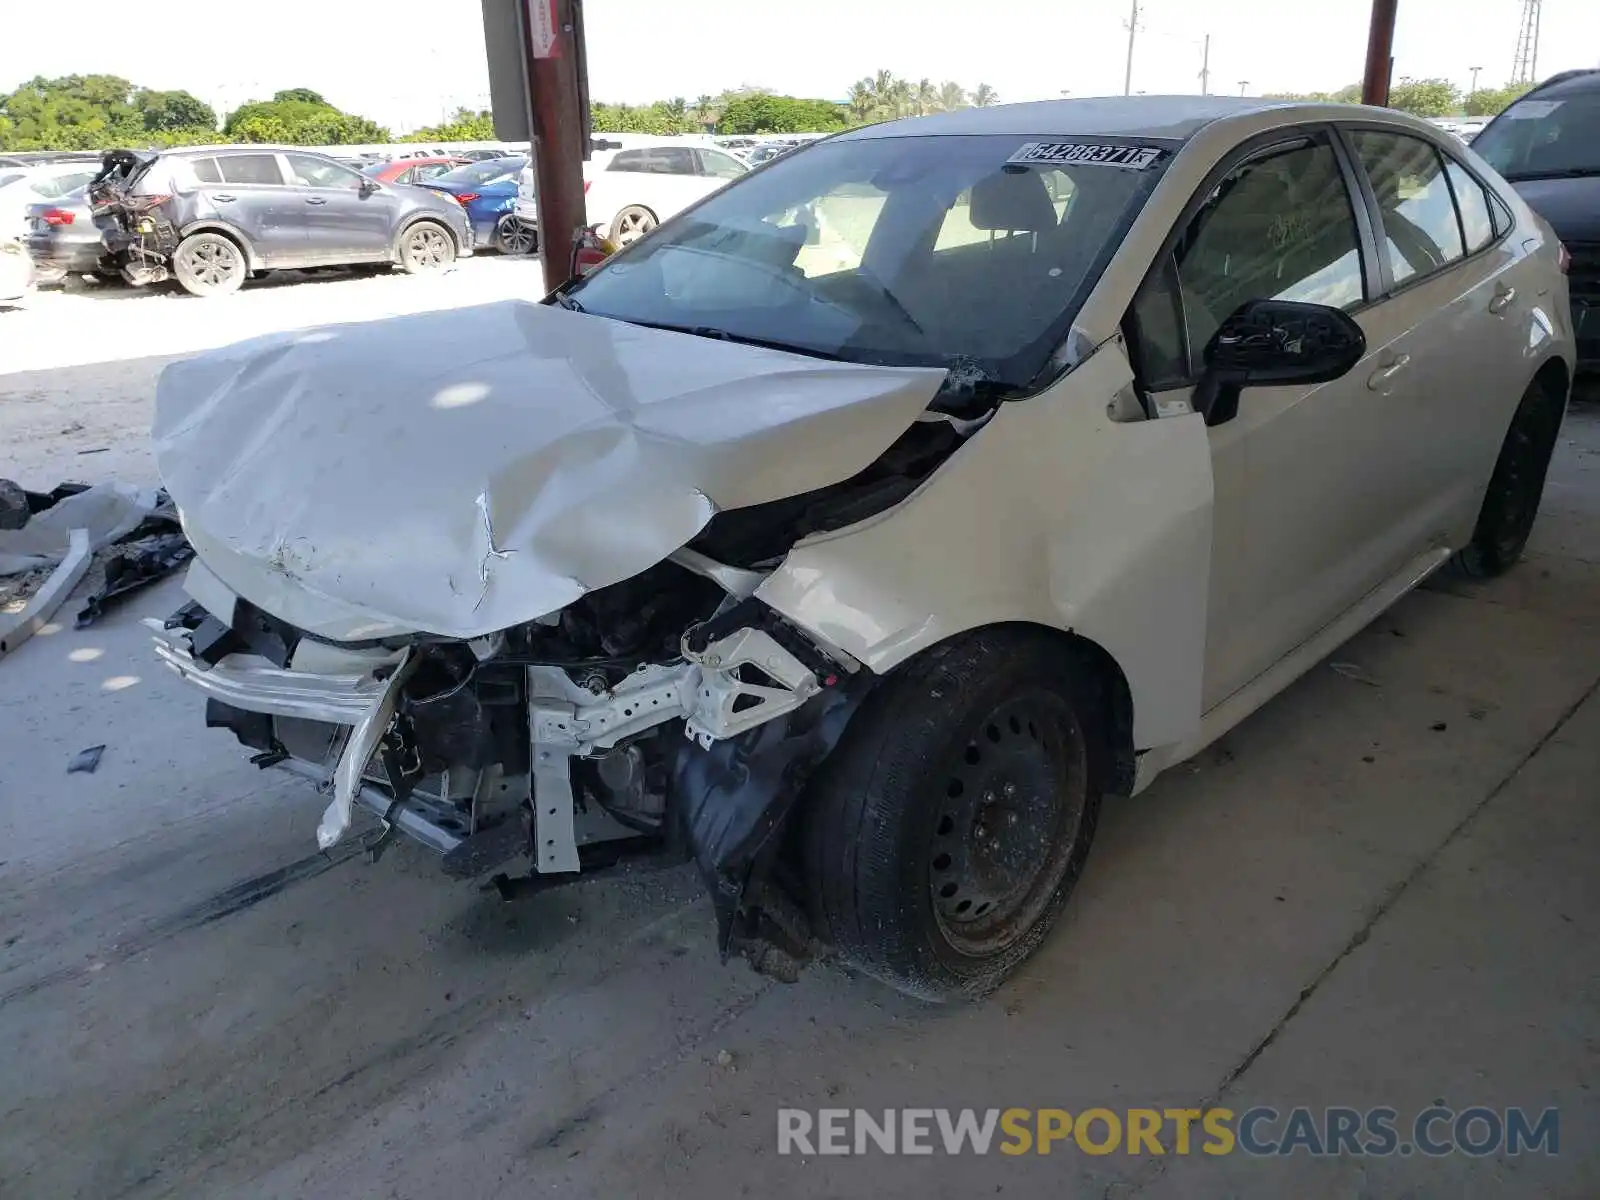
(208, 264)
(945, 833)
(426, 247)
(631, 224)
(1511, 504)
(514, 236)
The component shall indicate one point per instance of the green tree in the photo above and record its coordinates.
(952, 96)
(984, 96)
(300, 122)
(73, 112)
(305, 95)
(168, 112)
(463, 126)
(925, 98)
(765, 113)
(1425, 97)
(863, 101)
(1489, 102)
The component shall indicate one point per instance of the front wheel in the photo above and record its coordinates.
(208, 264)
(946, 831)
(426, 247)
(1511, 504)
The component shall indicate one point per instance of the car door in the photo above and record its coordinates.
(717, 169)
(346, 218)
(1447, 282)
(1310, 500)
(247, 190)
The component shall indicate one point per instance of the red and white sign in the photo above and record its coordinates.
(542, 28)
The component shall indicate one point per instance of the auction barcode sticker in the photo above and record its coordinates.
(1094, 154)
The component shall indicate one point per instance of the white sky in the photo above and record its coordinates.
(403, 62)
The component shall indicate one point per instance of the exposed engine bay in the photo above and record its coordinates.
(670, 715)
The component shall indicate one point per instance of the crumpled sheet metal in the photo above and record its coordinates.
(461, 472)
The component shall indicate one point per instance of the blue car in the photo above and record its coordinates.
(488, 191)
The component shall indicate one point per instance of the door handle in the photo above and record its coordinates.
(315, 200)
(1503, 297)
(224, 199)
(1383, 375)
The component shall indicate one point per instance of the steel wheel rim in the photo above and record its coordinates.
(426, 248)
(1012, 804)
(211, 263)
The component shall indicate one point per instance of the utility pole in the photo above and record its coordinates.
(553, 42)
(1133, 30)
(1473, 89)
(1243, 83)
(1205, 68)
(1380, 53)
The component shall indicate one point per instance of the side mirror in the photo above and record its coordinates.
(1275, 342)
(369, 186)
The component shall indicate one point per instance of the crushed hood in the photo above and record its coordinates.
(461, 472)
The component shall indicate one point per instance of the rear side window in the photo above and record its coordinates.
(1419, 214)
(1477, 221)
(206, 170)
(658, 160)
(250, 168)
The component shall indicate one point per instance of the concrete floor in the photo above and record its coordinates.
(1381, 890)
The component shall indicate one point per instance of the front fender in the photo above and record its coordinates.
(1053, 514)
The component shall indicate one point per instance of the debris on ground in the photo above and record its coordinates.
(134, 564)
(46, 552)
(86, 760)
(1353, 671)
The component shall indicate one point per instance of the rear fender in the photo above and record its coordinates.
(1053, 514)
(228, 229)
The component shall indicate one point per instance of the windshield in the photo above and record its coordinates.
(923, 251)
(1542, 139)
(481, 174)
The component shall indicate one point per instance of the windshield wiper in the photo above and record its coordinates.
(1561, 173)
(723, 335)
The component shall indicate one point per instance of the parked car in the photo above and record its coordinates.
(25, 185)
(63, 239)
(766, 152)
(16, 272)
(411, 170)
(208, 217)
(488, 191)
(628, 193)
(860, 530)
(1547, 144)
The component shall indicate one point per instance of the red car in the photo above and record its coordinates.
(410, 170)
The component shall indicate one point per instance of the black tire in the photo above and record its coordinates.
(1000, 726)
(209, 264)
(516, 237)
(426, 247)
(1511, 504)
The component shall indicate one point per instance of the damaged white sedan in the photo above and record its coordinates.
(859, 530)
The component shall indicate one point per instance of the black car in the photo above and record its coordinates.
(1547, 145)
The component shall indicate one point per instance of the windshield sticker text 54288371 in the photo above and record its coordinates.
(1093, 154)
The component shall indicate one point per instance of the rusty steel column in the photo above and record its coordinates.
(557, 141)
(1380, 53)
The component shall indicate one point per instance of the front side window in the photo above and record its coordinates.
(850, 251)
(308, 171)
(1280, 227)
(1545, 138)
(1421, 232)
(250, 168)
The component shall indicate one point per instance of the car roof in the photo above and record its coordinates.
(1569, 83)
(1175, 117)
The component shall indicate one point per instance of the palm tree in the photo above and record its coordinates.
(926, 98)
(863, 100)
(704, 109)
(985, 96)
(952, 96)
(901, 96)
(676, 111)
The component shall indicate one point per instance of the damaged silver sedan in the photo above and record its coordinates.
(858, 531)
